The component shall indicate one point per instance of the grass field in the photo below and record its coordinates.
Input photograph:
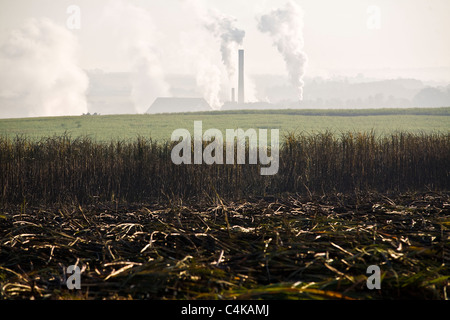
(160, 127)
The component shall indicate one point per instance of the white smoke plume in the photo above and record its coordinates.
(39, 74)
(203, 60)
(214, 81)
(285, 26)
(231, 37)
(209, 82)
(137, 42)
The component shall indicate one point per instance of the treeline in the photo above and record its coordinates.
(63, 169)
(267, 108)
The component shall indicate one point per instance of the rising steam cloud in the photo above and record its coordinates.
(137, 40)
(285, 26)
(214, 81)
(39, 72)
(231, 37)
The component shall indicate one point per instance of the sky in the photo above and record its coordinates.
(48, 48)
(336, 35)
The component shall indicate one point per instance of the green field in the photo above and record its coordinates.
(161, 126)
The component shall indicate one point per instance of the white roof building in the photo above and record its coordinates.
(173, 105)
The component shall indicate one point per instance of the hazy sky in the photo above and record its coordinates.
(336, 35)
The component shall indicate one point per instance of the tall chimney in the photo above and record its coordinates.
(233, 95)
(241, 95)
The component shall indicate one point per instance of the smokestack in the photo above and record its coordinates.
(241, 77)
(233, 95)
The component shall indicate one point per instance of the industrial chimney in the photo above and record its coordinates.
(241, 96)
(233, 95)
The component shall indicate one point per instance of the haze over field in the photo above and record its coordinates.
(117, 56)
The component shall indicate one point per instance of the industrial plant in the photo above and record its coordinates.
(184, 104)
